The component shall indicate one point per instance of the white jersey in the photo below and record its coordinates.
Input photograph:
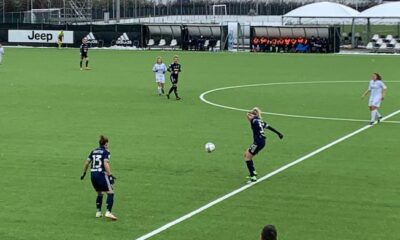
(160, 70)
(376, 88)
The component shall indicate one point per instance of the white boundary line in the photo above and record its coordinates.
(239, 190)
(202, 98)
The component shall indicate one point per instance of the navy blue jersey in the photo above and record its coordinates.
(174, 68)
(258, 125)
(84, 48)
(96, 159)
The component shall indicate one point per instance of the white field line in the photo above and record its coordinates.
(202, 98)
(269, 175)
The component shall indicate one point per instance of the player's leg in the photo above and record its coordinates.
(172, 87)
(176, 91)
(248, 158)
(159, 88)
(162, 83)
(377, 104)
(373, 114)
(81, 63)
(99, 203)
(110, 200)
(87, 63)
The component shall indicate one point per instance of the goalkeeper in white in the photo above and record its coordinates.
(159, 68)
(377, 90)
(1, 53)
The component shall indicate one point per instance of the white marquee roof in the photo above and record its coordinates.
(324, 10)
(385, 10)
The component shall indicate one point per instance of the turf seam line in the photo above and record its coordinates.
(269, 175)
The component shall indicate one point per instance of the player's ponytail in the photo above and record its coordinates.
(378, 76)
(103, 140)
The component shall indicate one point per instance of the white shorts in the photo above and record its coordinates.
(160, 78)
(375, 101)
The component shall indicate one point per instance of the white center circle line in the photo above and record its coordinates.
(203, 99)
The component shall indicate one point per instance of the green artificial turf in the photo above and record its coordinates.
(52, 114)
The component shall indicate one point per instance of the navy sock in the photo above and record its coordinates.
(99, 202)
(87, 63)
(250, 166)
(81, 64)
(176, 91)
(170, 90)
(110, 201)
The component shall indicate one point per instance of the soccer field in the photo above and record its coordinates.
(52, 114)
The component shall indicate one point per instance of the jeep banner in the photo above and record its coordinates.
(38, 36)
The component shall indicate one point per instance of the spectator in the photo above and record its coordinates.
(256, 44)
(269, 233)
(263, 43)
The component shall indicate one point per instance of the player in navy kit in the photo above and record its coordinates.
(174, 69)
(259, 139)
(102, 179)
(84, 49)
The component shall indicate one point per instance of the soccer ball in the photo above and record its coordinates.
(210, 147)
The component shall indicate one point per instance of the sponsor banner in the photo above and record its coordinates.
(38, 36)
(124, 40)
(91, 39)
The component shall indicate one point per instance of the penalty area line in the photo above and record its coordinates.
(269, 175)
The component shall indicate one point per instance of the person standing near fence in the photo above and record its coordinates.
(1, 53)
(60, 39)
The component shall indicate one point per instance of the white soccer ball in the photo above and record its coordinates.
(210, 147)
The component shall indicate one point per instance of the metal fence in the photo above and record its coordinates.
(140, 9)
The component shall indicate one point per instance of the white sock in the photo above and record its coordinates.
(378, 114)
(159, 90)
(373, 115)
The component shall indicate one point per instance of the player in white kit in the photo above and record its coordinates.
(377, 90)
(159, 68)
(1, 53)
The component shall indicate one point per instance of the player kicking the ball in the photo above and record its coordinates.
(84, 49)
(174, 69)
(102, 179)
(159, 68)
(259, 139)
(377, 90)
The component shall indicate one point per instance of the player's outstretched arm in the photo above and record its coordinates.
(280, 135)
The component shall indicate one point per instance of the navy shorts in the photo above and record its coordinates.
(256, 147)
(174, 79)
(84, 55)
(100, 182)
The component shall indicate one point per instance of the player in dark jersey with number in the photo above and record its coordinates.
(84, 49)
(174, 69)
(259, 139)
(102, 179)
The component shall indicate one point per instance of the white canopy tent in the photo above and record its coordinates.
(333, 13)
(329, 12)
(386, 13)
(385, 10)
